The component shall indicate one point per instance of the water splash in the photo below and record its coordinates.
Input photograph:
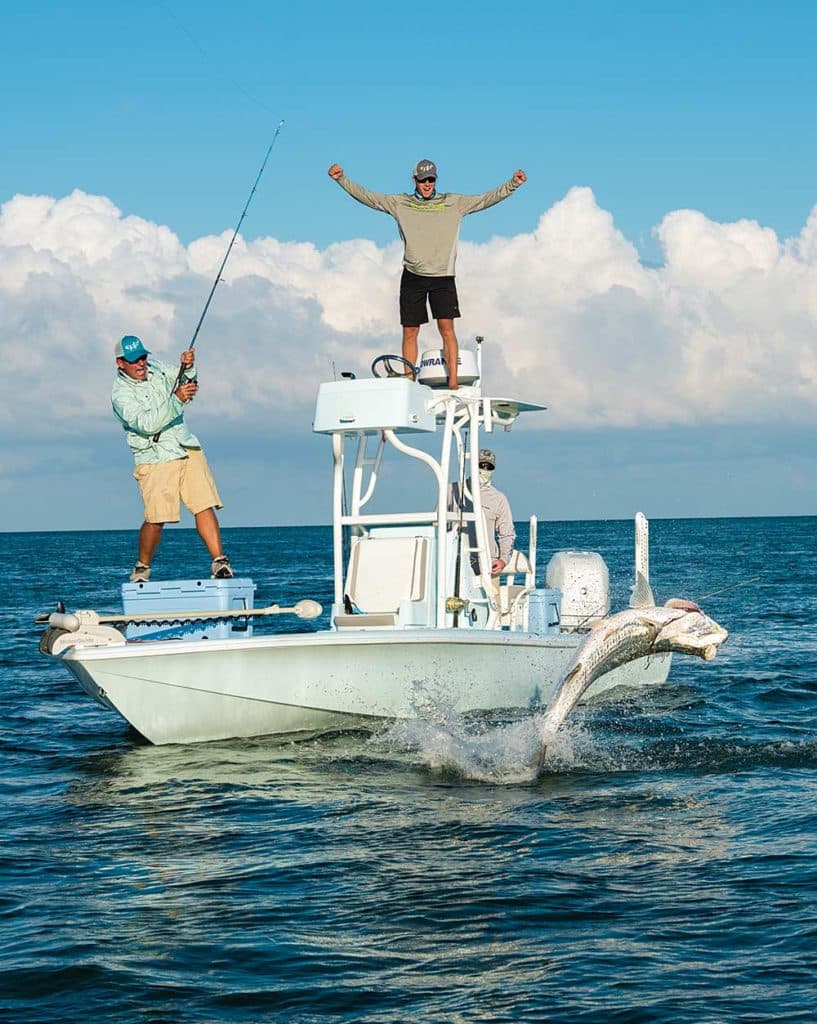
(610, 738)
(480, 751)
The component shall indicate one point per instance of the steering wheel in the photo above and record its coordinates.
(409, 369)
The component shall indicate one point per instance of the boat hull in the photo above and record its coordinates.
(194, 691)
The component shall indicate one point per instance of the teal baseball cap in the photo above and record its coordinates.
(130, 348)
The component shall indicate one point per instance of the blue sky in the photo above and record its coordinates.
(166, 110)
(167, 107)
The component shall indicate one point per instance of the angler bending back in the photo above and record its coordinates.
(149, 402)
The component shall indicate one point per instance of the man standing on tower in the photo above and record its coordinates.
(429, 224)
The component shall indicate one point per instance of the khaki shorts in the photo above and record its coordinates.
(164, 484)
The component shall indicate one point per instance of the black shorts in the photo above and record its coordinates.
(441, 293)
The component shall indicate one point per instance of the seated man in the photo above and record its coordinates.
(496, 511)
(170, 465)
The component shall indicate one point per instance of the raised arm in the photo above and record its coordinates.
(473, 204)
(374, 200)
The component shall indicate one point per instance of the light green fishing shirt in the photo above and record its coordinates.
(149, 407)
(429, 228)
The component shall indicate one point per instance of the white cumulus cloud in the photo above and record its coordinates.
(722, 332)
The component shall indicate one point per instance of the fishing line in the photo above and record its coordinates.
(209, 58)
(697, 600)
(732, 586)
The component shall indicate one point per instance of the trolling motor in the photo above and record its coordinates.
(87, 628)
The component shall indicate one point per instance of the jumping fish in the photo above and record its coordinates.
(679, 626)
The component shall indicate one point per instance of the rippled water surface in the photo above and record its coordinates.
(663, 868)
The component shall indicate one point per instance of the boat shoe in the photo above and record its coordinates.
(141, 573)
(221, 568)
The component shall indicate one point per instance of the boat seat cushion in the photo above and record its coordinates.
(385, 571)
(517, 563)
(385, 620)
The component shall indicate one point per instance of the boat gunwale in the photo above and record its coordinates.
(324, 638)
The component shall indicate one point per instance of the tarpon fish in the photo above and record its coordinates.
(679, 626)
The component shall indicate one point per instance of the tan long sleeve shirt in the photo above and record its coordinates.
(429, 228)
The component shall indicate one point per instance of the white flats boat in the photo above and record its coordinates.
(417, 624)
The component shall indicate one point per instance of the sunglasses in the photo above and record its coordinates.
(485, 465)
(425, 181)
(133, 362)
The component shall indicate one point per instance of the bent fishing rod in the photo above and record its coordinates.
(224, 262)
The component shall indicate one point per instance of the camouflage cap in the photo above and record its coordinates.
(486, 455)
(425, 169)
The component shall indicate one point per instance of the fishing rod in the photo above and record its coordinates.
(458, 565)
(224, 262)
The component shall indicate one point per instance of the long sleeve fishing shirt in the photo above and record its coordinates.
(149, 407)
(429, 228)
(496, 511)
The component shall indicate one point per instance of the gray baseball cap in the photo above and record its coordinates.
(486, 455)
(425, 169)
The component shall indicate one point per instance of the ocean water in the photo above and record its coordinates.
(662, 868)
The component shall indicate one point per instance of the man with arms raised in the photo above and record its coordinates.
(170, 465)
(429, 223)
